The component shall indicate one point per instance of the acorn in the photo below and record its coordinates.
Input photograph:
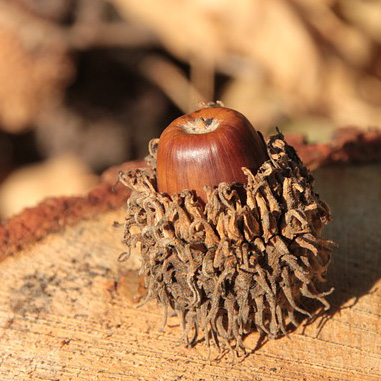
(229, 229)
(206, 148)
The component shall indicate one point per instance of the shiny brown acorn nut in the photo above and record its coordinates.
(205, 148)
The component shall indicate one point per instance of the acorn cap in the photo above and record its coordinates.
(234, 265)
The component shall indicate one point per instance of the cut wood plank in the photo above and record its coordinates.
(64, 317)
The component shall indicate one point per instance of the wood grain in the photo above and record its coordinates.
(68, 307)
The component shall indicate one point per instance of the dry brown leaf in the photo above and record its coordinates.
(33, 69)
(285, 60)
(364, 14)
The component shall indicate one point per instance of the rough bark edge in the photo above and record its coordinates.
(349, 145)
(53, 214)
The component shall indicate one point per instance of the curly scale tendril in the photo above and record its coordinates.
(231, 267)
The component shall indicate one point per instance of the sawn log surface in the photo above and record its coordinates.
(68, 308)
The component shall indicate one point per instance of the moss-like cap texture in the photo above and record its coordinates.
(250, 259)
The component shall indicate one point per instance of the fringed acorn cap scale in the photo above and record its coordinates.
(248, 259)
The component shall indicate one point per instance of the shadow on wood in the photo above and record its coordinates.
(354, 194)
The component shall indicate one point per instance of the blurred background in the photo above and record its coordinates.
(85, 84)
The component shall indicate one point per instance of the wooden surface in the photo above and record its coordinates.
(63, 318)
